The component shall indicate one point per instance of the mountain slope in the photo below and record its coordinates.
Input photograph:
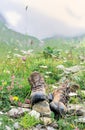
(9, 40)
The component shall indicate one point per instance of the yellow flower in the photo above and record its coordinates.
(4, 83)
(15, 98)
(72, 126)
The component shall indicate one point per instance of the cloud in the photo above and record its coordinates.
(12, 17)
(45, 17)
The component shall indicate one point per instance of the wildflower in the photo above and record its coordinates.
(43, 66)
(1, 88)
(72, 126)
(8, 72)
(11, 98)
(76, 128)
(13, 77)
(15, 98)
(4, 83)
(24, 58)
(46, 76)
(9, 88)
(48, 72)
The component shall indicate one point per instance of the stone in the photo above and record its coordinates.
(73, 69)
(61, 67)
(80, 119)
(7, 127)
(26, 105)
(43, 108)
(50, 128)
(16, 125)
(46, 120)
(35, 114)
(78, 109)
(16, 112)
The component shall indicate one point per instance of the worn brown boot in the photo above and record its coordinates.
(38, 87)
(60, 98)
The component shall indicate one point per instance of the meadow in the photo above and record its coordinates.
(17, 63)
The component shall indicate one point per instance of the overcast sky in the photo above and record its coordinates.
(45, 18)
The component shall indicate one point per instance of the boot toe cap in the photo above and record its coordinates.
(58, 108)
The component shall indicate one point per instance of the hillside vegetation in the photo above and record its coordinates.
(54, 59)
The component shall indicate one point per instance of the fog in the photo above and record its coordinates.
(45, 19)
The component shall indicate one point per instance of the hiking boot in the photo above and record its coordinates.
(60, 98)
(38, 88)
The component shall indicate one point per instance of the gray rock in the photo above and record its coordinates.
(26, 106)
(15, 112)
(7, 127)
(16, 126)
(61, 67)
(35, 114)
(78, 109)
(73, 69)
(81, 119)
(50, 128)
(46, 120)
(43, 108)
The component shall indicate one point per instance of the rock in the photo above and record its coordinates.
(43, 108)
(35, 114)
(73, 69)
(7, 127)
(77, 109)
(16, 126)
(26, 105)
(15, 112)
(46, 120)
(80, 119)
(50, 128)
(39, 127)
(61, 67)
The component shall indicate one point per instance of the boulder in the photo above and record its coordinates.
(46, 120)
(76, 109)
(16, 112)
(35, 114)
(81, 119)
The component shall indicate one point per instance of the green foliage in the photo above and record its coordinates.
(74, 100)
(28, 121)
(48, 51)
(4, 101)
(68, 123)
(14, 71)
(6, 121)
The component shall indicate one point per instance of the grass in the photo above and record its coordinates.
(14, 73)
(29, 121)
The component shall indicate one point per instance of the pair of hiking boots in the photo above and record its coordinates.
(58, 102)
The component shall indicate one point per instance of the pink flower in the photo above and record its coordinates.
(76, 128)
(13, 77)
(24, 58)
